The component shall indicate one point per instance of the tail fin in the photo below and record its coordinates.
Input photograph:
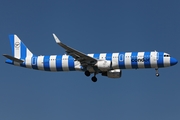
(19, 50)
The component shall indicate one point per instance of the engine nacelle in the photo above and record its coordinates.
(116, 73)
(104, 65)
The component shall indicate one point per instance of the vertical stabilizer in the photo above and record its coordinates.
(19, 50)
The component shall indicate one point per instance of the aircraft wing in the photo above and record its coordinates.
(77, 55)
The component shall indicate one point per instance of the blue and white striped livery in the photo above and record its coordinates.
(107, 64)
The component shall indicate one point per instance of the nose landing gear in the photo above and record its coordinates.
(157, 73)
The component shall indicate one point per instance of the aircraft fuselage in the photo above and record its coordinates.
(122, 60)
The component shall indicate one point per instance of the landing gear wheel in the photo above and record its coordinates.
(157, 74)
(94, 79)
(87, 73)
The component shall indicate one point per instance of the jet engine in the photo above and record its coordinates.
(104, 65)
(116, 73)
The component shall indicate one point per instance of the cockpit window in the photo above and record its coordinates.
(166, 55)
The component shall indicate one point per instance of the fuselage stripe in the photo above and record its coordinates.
(23, 54)
(128, 60)
(160, 61)
(102, 56)
(40, 63)
(52, 64)
(59, 63)
(11, 37)
(134, 60)
(147, 57)
(166, 61)
(34, 62)
(71, 63)
(153, 60)
(140, 59)
(23, 51)
(96, 55)
(65, 66)
(46, 62)
(121, 59)
(17, 49)
(109, 56)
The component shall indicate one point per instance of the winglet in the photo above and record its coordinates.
(56, 38)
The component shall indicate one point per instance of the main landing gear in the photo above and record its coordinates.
(157, 73)
(87, 73)
(94, 79)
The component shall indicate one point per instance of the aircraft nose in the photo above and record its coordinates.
(173, 61)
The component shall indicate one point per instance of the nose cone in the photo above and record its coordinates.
(173, 61)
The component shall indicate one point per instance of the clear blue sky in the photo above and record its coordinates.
(90, 26)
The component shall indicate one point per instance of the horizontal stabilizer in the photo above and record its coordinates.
(13, 58)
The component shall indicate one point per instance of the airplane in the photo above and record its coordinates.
(106, 64)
